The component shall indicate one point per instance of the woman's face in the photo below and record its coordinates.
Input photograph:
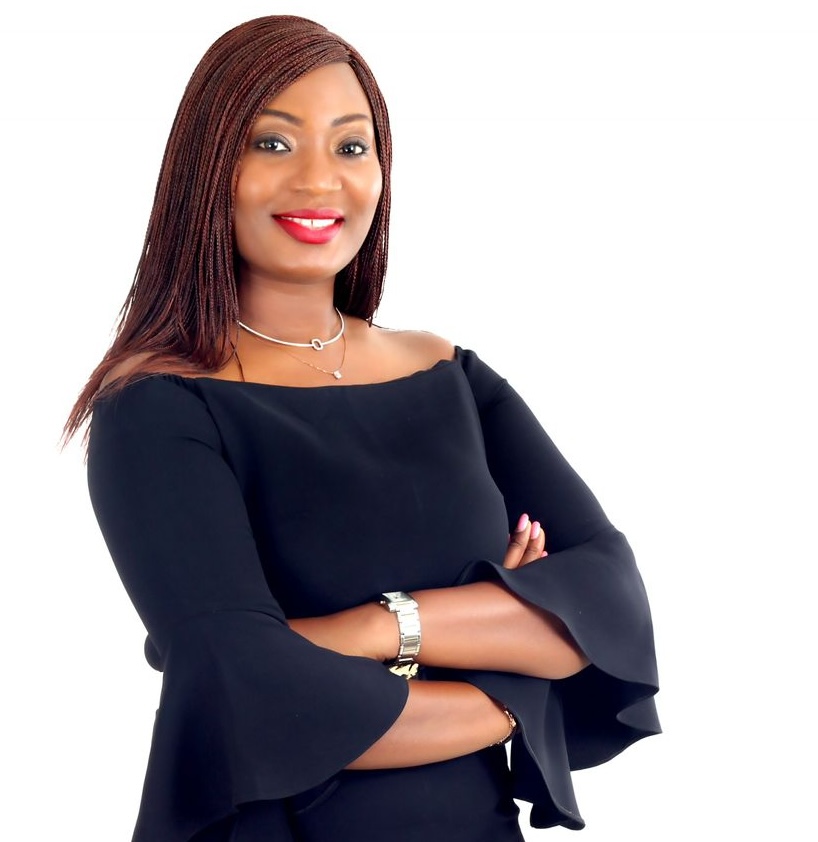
(308, 181)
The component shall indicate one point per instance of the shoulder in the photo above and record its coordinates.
(145, 363)
(422, 347)
(126, 369)
(142, 396)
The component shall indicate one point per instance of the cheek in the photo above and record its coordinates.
(248, 203)
(370, 190)
(248, 195)
(252, 185)
(246, 220)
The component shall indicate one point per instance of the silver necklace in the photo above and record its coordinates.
(315, 344)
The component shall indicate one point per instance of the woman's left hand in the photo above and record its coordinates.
(525, 544)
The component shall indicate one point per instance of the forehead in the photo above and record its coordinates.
(333, 90)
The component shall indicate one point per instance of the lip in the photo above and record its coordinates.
(304, 234)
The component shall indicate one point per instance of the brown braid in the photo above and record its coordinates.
(183, 303)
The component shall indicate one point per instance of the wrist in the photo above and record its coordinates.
(377, 632)
(510, 725)
(407, 616)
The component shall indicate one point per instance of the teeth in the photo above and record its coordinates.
(311, 223)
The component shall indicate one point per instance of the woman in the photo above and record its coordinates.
(307, 509)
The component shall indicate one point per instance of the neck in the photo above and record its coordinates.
(294, 315)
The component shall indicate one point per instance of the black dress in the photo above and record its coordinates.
(228, 507)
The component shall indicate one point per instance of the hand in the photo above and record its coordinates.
(525, 544)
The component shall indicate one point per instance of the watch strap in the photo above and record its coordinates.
(405, 609)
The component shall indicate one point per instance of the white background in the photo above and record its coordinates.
(615, 204)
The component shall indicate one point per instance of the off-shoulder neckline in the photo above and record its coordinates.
(440, 365)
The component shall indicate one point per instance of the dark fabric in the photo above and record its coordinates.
(464, 800)
(229, 507)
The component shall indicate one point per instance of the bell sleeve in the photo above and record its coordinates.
(590, 581)
(249, 710)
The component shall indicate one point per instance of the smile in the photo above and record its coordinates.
(310, 223)
(309, 229)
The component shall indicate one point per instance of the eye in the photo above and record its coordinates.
(271, 143)
(354, 148)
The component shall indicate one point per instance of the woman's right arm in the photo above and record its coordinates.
(441, 720)
(174, 519)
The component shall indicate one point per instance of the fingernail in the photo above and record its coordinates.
(544, 554)
(535, 529)
(522, 523)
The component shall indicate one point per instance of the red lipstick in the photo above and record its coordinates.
(314, 226)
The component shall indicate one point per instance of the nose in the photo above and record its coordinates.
(318, 173)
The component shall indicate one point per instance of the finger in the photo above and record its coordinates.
(536, 545)
(518, 543)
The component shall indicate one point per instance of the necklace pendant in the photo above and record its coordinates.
(317, 344)
(337, 374)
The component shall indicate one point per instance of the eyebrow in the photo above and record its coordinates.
(297, 121)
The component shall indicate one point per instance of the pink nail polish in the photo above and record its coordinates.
(522, 523)
(544, 554)
(535, 529)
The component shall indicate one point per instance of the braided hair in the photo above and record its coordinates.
(183, 302)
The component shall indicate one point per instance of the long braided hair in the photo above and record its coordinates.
(183, 301)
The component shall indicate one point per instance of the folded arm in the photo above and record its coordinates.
(176, 524)
(479, 626)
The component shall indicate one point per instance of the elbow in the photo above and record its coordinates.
(563, 664)
(573, 663)
(563, 656)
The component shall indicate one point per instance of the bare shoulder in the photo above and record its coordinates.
(126, 368)
(423, 347)
(146, 362)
